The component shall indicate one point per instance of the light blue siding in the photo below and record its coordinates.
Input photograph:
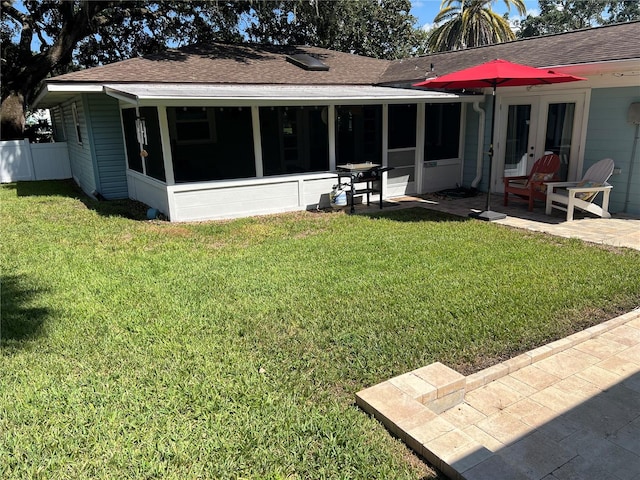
(82, 169)
(610, 135)
(107, 145)
(469, 164)
(471, 144)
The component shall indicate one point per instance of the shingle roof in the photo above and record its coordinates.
(261, 64)
(601, 44)
(239, 64)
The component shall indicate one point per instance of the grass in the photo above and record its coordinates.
(144, 349)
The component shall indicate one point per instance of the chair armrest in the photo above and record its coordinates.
(520, 180)
(519, 177)
(601, 188)
(560, 184)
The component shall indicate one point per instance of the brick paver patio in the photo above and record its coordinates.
(567, 410)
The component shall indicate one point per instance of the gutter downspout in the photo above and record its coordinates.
(480, 155)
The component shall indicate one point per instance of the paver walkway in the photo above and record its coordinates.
(620, 231)
(567, 410)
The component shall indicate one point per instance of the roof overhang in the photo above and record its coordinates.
(615, 73)
(599, 68)
(244, 95)
(268, 95)
(55, 93)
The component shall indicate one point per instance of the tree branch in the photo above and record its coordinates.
(12, 12)
(43, 42)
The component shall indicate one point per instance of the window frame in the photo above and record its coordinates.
(175, 121)
(76, 122)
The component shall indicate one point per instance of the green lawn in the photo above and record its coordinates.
(142, 349)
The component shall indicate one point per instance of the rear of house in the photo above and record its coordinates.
(184, 131)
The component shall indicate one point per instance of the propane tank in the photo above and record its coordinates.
(338, 196)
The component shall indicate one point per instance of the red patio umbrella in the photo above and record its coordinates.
(496, 73)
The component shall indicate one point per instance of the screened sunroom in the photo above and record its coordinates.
(219, 152)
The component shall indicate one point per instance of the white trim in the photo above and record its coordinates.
(166, 145)
(257, 140)
(141, 145)
(441, 162)
(598, 68)
(331, 125)
(403, 149)
(74, 87)
(146, 178)
(57, 91)
(385, 146)
(272, 179)
(421, 112)
(463, 136)
(268, 95)
(76, 121)
(540, 101)
(123, 97)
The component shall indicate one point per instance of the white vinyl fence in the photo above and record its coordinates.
(21, 160)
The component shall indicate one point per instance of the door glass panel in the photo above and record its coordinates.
(559, 133)
(518, 123)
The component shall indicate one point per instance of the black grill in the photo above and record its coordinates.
(369, 173)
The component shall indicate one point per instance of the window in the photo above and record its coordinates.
(294, 139)
(402, 126)
(210, 143)
(192, 125)
(154, 161)
(131, 139)
(359, 134)
(76, 122)
(442, 135)
(57, 121)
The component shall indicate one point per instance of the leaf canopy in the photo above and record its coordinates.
(471, 23)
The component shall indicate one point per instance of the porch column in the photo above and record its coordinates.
(166, 145)
(385, 134)
(257, 140)
(419, 161)
(385, 143)
(461, 145)
(331, 125)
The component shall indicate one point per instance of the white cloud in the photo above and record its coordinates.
(427, 27)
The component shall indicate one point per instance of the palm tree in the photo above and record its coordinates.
(471, 23)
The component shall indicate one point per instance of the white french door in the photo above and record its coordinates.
(529, 126)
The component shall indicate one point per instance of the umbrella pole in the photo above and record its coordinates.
(488, 215)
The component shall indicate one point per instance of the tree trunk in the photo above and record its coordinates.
(12, 116)
(31, 69)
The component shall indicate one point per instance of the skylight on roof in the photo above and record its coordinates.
(307, 62)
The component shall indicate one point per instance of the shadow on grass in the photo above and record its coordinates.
(20, 322)
(47, 188)
(416, 214)
(125, 208)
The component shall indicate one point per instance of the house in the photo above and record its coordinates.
(221, 131)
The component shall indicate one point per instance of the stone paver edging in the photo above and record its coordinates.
(408, 402)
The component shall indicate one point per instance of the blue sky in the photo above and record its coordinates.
(426, 10)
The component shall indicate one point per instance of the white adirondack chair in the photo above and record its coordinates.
(570, 195)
